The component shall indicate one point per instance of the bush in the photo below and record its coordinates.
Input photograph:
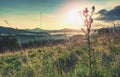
(9, 44)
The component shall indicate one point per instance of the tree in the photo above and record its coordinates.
(9, 44)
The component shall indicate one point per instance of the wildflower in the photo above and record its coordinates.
(85, 12)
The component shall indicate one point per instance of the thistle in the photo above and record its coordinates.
(88, 20)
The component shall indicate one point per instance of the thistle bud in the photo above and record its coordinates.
(85, 11)
(93, 8)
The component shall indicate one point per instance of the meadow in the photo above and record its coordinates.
(69, 59)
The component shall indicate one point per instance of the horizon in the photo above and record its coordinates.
(36, 28)
(52, 15)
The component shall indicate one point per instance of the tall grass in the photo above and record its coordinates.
(62, 61)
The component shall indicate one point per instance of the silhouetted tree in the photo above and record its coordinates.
(9, 44)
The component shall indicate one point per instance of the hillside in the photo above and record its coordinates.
(53, 31)
(36, 30)
(65, 60)
(8, 30)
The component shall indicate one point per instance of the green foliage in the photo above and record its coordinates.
(66, 63)
(63, 61)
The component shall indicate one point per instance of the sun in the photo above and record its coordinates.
(73, 17)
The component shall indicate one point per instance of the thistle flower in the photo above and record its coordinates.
(88, 22)
(85, 12)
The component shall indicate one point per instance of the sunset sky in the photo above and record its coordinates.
(56, 14)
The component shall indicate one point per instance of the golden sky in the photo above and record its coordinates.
(48, 14)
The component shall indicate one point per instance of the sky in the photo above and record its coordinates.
(49, 14)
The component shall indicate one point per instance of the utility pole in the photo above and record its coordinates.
(41, 20)
(17, 37)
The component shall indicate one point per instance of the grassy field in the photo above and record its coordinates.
(65, 60)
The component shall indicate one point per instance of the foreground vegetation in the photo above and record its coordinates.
(70, 59)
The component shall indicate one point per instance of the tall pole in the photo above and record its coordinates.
(41, 20)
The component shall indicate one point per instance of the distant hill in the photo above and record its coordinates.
(64, 30)
(8, 30)
(52, 31)
(36, 30)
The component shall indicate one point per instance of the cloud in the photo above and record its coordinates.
(111, 15)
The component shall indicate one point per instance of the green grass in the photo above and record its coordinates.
(68, 60)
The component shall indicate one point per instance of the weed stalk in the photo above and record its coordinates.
(88, 20)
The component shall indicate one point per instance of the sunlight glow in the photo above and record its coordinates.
(74, 18)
